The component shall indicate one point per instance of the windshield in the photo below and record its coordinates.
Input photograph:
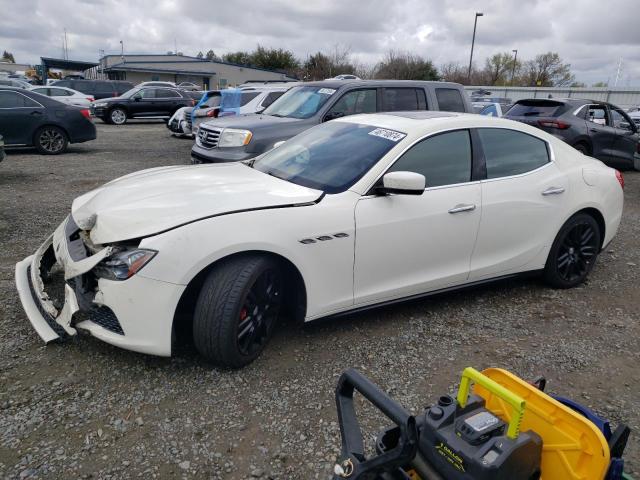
(330, 157)
(300, 102)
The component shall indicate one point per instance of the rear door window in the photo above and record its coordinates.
(450, 100)
(11, 100)
(59, 92)
(509, 152)
(246, 97)
(16, 100)
(403, 99)
(166, 93)
(42, 91)
(535, 108)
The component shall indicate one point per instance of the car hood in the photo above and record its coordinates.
(252, 121)
(156, 200)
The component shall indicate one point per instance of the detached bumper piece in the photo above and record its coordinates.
(48, 318)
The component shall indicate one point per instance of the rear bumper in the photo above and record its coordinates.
(117, 312)
(84, 134)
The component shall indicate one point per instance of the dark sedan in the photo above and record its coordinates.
(144, 102)
(30, 119)
(598, 129)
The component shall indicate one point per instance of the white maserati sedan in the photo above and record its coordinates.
(354, 213)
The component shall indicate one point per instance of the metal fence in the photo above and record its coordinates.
(622, 97)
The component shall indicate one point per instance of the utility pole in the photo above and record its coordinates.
(473, 41)
(66, 46)
(513, 70)
(618, 72)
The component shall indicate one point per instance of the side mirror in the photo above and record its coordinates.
(136, 99)
(277, 144)
(332, 115)
(402, 183)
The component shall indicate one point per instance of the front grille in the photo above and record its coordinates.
(105, 317)
(208, 137)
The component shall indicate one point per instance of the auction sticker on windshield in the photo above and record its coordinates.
(388, 134)
(327, 91)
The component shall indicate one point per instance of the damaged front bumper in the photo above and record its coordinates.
(117, 312)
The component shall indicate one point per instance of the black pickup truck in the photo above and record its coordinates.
(237, 138)
(142, 102)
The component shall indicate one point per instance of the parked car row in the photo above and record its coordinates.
(222, 103)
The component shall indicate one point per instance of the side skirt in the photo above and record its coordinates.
(418, 296)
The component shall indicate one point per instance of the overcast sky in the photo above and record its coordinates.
(591, 35)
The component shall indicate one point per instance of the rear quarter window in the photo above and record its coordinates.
(450, 100)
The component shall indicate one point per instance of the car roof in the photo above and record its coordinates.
(420, 123)
(377, 83)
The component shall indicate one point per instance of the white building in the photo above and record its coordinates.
(179, 68)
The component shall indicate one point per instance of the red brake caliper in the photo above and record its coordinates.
(243, 313)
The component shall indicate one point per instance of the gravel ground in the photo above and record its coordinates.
(83, 409)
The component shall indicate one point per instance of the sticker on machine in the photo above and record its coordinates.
(327, 91)
(388, 134)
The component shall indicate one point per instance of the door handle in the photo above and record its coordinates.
(462, 208)
(36, 112)
(553, 191)
(593, 129)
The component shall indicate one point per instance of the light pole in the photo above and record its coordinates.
(513, 70)
(473, 41)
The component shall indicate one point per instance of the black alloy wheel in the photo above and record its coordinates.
(259, 313)
(237, 309)
(574, 252)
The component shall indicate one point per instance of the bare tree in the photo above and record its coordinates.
(547, 70)
(406, 66)
(498, 68)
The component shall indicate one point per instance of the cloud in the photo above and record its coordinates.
(438, 29)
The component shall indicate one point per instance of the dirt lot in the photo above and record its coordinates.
(83, 409)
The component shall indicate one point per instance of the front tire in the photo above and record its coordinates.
(237, 310)
(118, 116)
(51, 140)
(574, 252)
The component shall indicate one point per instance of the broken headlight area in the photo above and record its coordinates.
(124, 264)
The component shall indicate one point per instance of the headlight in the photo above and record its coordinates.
(123, 265)
(232, 137)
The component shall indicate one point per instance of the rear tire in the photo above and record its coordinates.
(582, 148)
(237, 310)
(51, 140)
(118, 116)
(574, 252)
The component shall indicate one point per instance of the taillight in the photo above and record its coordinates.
(86, 113)
(115, 94)
(553, 124)
(620, 179)
(91, 99)
(193, 102)
(213, 113)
